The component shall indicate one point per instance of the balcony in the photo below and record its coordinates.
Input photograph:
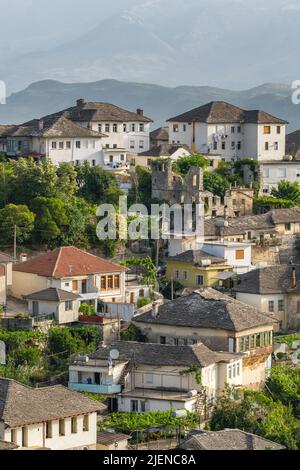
(93, 388)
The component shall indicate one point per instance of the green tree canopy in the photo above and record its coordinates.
(20, 216)
(51, 216)
(216, 183)
(287, 190)
(183, 164)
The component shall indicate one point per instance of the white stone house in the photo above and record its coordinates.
(272, 172)
(53, 418)
(170, 151)
(237, 255)
(148, 377)
(234, 133)
(221, 323)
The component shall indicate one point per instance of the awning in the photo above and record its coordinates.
(225, 275)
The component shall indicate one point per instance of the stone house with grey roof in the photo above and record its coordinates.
(234, 133)
(141, 377)
(220, 322)
(274, 290)
(54, 417)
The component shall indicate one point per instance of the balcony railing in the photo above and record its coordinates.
(93, 388)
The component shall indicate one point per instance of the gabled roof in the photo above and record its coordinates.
(163, 354)
(21, 405)
(220, 112)
(229, 439)
(100, 112)
(108, 438)
(269, 280)
(65, 262)
(52, 126)
(207, 308)
(164, 150)
(52, 295)
(162, 133)
(196, 256)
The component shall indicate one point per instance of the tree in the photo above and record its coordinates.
(215, 183)
(184, 164)
(97, 186)
(148, 267)
(268, 203)
(141, 192)
(287, 190)
(51, 216)
(79, 215)
(67, 186)
(20, 216)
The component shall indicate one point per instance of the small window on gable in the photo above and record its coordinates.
(267, 129)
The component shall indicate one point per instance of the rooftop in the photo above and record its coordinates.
(52, 294)
(108, 438)
(196, 256)
(220, 112)
(22, 405)
(162, 133)
(229, 439)
(164, 150)
(67, 262)
(270, 280)
(208, 308)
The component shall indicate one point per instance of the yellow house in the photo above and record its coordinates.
(196, 269)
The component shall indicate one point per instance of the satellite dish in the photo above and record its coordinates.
(114, 354)
(2, 353)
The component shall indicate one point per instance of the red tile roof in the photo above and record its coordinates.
(67, 262)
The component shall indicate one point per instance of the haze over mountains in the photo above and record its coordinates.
(158, 102)
(225, 43)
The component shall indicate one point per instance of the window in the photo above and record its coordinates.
(199, 280)
(132, 127)
(61, 145)
(142, 127)
(99, 127)
(122, 156)
(86, 423)
(280, 305)
(184, 127)
(115, 128)
(54, 145)
(134, 406)
(266, 145)
(240, 254)
(232, 130)
(278, 129)
(107, 128)
(141, 144)
(103, 282)
(77, 162)
(132, 144)
(223, 145)
(107, 146)
(49, 430)
(115, 146)
(271, 306)
(231, 343)
(288, 227)
(93, 162)
(229, 374)
(233, 145)
(143, 406)
(110, 282)
(238, 369)
(175, 128)
(276, 146)
(215, 146)
(62, 427)
(177, 275)
(185, 275)
(239, 145)
(68, 305)
(24, 437)
(68, 145)
(267, 129)
(163, 340)
(74, 425)
(117, 282)
(78, 144)
(239, 129)
(124, 127)
(234, 371)
(148, 379)
(13, 436)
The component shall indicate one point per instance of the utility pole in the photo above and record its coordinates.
(157, 252)
(15, 243)
(172, 288)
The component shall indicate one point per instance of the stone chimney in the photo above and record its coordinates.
(80, 102)
(155, 309)
(294, 286)
(140, 112)
(41, 124)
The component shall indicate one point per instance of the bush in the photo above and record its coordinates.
(133, 333)
(143, 301)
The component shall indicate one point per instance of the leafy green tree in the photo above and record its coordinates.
(184, 164)
(97, 186)
(67, 186)
(51, 216)
(6, 174)
(287, 190)
(133, 333)
(80, 215)
(142, 189)
(20, 216)
(148, 267)
(215, 183)
(268, 203)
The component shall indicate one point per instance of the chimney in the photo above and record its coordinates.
(23, 257)
(41, 124)
(155, 309)
(80, 102)
(294, 279)
(140, 112)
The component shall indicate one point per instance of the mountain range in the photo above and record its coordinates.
(159, 102)
(224, 43)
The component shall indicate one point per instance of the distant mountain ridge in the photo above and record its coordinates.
(158, 102)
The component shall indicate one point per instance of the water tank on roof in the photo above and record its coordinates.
(205, 262)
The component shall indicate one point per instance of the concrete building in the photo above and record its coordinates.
(168, 151)
(273, 290)
(146, 377)
(221, 323)
(53, 418)
(272, 172)
(222, 128)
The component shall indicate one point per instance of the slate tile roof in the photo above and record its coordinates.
(163, 354)
(269, 280)
(67, 262)
(108, 438)
(196, 256)
(207, 309)
(52, 295)
(164, 150)
(162, 133)
(220, 112)
(107, 112)
(229, 439)
(21, 405)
